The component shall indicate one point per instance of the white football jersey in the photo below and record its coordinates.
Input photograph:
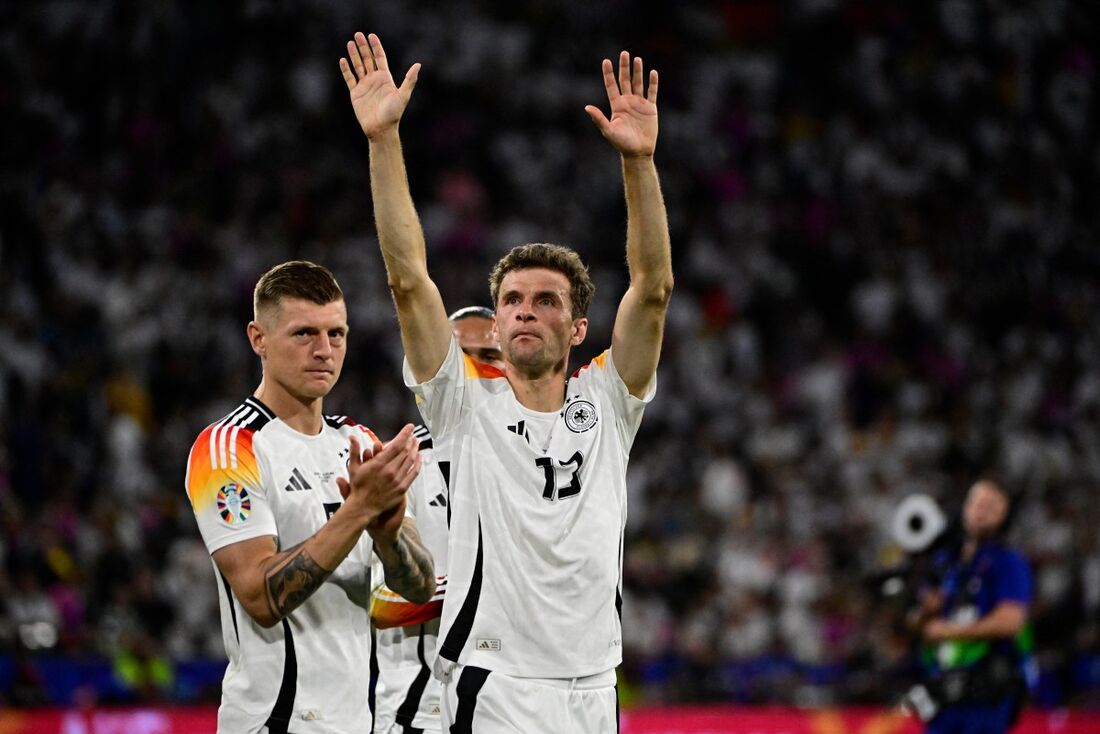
(407, 634)
(538, 510)
(251, 475)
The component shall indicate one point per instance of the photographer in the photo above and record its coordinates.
(975, 625)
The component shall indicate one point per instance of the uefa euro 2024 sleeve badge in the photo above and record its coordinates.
(234, 504)
(580, 416)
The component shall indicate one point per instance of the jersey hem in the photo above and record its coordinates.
(489, 663)
(225, 542)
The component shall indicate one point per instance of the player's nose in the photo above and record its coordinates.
(322, 347)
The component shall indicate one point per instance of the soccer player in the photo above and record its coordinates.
(531, 632)
(282, 495)
(407, 635)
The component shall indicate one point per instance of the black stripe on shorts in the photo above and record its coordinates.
(407, 711)
(469, 685)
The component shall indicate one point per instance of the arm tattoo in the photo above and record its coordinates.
(292, 580)
(408, 566)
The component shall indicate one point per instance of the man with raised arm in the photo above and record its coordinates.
(290, 509)
(531, 631)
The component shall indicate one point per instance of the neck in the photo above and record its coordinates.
(301, 414)
(544, 393)
(971, 545)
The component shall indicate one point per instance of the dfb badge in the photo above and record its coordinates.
(580, 416)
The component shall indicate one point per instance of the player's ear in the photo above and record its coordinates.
(256, 338)
(580, 331)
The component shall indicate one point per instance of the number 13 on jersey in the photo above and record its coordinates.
(551, 491)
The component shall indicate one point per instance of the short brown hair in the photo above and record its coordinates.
(295, 279)
(552, 257)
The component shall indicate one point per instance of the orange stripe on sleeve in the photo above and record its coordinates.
(600, 361)
(480, 370)
(388, 609)
(221, 454)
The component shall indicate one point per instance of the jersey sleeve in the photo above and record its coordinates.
(390, 609)
(1013, 579)
(440, 397)
(225, 487)
(628, 409)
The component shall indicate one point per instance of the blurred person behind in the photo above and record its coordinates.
(406, 695)
(975, 625)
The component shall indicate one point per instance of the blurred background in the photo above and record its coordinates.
(884, 221)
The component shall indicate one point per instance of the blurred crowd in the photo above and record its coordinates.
(884, 220)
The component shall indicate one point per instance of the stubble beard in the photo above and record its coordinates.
(311, 389)
(533, 363)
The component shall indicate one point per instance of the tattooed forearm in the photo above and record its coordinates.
(408, 566)
(291, 581)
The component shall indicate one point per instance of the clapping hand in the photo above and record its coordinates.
(377, 483)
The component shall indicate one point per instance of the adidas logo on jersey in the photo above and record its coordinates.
(488, 645)
(439, 501)
(297, 482)
(520, 429)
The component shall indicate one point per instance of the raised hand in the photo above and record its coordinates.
(377, 101)
(632, 128)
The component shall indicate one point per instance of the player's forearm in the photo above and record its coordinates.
(399, 231)
(425, 331)
(648, 249)
(407, 564)
(293, 575)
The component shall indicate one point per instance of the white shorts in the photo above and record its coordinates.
(478, 700)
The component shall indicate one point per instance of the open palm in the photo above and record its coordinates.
(632, 128)
(377, 101)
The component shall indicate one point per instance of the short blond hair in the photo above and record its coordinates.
(295, 279)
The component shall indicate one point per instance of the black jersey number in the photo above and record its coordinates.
(330, 509)
(551, 488)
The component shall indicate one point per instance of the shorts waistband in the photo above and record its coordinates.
(582, 683)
